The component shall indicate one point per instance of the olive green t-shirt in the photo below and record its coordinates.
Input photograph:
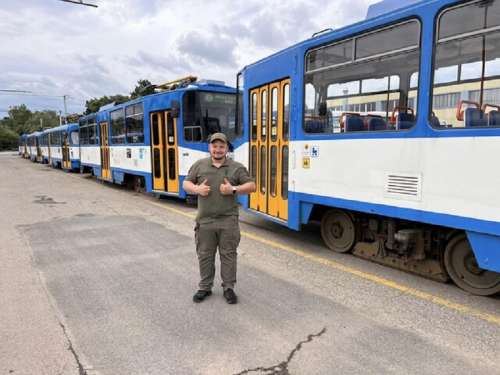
(215, 204)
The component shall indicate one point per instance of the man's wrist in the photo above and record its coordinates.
(235, 190)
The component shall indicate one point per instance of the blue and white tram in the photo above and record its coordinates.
(54, 149)
(23, 145)
(71, 147)
(387, 132)
(150, 142)
(44, 146)
(34, 150)
(90, 154)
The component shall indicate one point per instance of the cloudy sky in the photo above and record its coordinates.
(54, 48)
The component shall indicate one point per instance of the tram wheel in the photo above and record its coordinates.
(138, 184)
(463, 269)
(338, 231)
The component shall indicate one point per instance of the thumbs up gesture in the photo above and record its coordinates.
(203, 189)
(226, 188)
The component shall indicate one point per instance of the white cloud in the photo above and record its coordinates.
(57, 48)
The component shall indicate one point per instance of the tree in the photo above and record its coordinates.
(19, 115)
(143, 88)
(9, 140)
(40, 120)
(73, 117)
(93, 105)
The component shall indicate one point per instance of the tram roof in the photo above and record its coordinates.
(57, 128)
(201, 85)
(387, 6)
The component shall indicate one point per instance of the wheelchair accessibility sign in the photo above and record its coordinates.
(314, 151)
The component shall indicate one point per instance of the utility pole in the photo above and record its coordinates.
(65, 109)
(41, 123)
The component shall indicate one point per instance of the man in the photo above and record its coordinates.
(217, 181)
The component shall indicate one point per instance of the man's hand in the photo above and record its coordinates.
(203, 189)
(226, 188)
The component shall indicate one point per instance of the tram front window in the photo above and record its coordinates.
(206, 113)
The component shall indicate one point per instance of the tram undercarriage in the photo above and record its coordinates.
(434, 252)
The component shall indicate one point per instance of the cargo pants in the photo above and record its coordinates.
(222, 233)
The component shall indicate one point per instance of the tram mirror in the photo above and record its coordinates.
(175, 109)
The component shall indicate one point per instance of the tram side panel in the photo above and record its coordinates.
(90, 158)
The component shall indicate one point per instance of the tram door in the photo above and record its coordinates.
(38, 149)
(48, 148)
(104, 144)
(65, 151)
(165, 164)
(269, 142)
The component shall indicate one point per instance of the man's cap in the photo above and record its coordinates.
(217, 137)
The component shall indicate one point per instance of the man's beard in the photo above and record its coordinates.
(218, 158)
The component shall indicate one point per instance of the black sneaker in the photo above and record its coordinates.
(200, 295)
(230, 296)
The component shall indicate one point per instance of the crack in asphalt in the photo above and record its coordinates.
(282, 368)
(81, 370)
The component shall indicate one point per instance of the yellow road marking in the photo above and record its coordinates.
(177, 211)
(466, 310)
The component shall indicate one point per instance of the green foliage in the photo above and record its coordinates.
(18, 116)
(41, 120)
(143, 88)
(9, 140)
(22, 120)
(73, 117)
(94, 104)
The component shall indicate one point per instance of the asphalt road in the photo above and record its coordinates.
(95, 279)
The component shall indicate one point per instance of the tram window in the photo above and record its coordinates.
(263, 169)
(286, 111)
(469, 18)
(171, 164)
(157, 163)
(263, 115)
(93, 134)
(391, 39)
(253, 165)
(208, 113)
(74, 138)
(377, 86)
(117, 127)
(87, 132)
(330, 55)
(273, 170)
(134, 123)
(274, 114)
(84, 135)
(446, 74)
(284, 164)
(55, 139)
(466, 87)
(170, 129)
(156, 132)
(253, 113)
(343, 88)
(378, 91)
